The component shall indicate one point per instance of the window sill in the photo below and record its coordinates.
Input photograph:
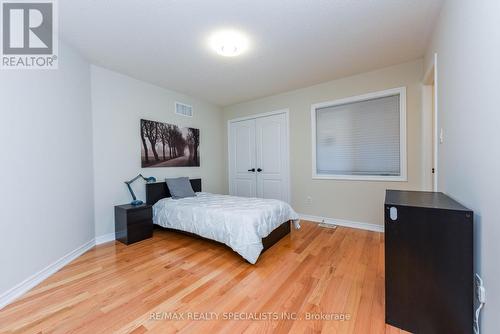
(361, 178)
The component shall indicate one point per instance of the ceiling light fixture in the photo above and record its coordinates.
(229, 43)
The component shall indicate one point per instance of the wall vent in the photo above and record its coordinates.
(183, 109)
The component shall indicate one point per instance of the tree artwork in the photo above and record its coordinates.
(193, 140)
(167, 145)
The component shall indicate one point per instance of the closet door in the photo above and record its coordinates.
(242, 168)
(272, 157)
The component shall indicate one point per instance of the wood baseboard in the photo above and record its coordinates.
(20, 289)
(105, 238)
(343, 222)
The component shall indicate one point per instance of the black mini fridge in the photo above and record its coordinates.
(429, 279)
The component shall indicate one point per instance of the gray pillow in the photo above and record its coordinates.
(180, 187)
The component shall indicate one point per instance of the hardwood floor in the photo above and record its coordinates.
(115, 288)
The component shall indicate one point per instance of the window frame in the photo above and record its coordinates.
(401, 91)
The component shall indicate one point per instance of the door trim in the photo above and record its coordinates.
(430, 81)
(286, 112)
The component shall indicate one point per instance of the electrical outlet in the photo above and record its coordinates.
(309, 200)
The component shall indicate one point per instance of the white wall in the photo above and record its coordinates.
(46, 166)
(118, 104)
(358, 201)
(467, 40)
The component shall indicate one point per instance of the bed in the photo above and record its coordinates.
(249, 226)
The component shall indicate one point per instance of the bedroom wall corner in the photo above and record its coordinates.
(118, 104)
(467, 42)
(47, 182)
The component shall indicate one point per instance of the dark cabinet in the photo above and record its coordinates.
(429, 280)
(133, 223)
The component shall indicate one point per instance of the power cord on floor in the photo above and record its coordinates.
(481, 297)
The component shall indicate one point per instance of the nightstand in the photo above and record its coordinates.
(133, 223)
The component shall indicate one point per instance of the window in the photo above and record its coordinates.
(361, 137)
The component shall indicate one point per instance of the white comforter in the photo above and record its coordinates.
(238, 222)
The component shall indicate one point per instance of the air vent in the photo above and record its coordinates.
(183, 109)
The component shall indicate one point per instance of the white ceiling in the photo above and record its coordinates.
(294, 43)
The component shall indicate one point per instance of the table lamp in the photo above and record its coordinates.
(136, 201)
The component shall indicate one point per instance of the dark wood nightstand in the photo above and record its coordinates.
(133, 223)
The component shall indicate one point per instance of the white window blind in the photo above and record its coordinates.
(359, 138)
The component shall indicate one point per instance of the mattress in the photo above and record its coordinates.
(238, 222)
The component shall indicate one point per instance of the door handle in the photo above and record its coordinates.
(252, 170)
(259, 170)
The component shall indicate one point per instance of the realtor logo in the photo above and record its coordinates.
(29, 34)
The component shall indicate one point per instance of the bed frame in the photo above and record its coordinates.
(157, 191)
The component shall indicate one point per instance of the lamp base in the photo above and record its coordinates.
(137, 202)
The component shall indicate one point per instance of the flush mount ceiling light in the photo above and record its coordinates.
(228, 43)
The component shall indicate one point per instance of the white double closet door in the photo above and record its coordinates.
(258, 157)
